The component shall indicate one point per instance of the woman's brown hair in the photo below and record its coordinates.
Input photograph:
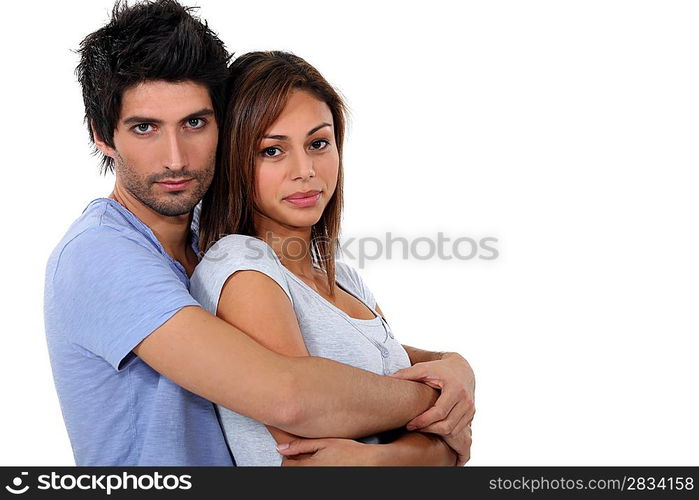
(260, 86)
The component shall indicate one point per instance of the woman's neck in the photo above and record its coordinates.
(291, 244)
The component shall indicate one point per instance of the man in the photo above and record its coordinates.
(136, 360)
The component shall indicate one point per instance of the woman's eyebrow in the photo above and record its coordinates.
(316, 129)
(286, 137)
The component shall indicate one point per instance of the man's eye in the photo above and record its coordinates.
(143, 128)
(196, 123)
(320, 144)
(271, 152)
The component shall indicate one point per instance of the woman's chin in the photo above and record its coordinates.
(302, 223)
(301, 218)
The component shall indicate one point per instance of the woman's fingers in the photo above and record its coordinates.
(300, 446)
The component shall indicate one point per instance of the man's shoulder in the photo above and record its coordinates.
(103, 228)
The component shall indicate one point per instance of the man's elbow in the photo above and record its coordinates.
(288, 410)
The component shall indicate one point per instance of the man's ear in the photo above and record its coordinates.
(105, 148)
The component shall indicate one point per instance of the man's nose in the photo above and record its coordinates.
(174, 151)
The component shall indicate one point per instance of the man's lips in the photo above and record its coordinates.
(175, 185)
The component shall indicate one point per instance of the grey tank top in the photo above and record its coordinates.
(327, 331)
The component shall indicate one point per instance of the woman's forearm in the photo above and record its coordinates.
(415, 448)
(421, 356)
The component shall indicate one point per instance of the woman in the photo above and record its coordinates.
(278, 197)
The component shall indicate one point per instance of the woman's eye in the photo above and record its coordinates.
(271, 152)
(320, 144)
(195, 123)
(143, 128)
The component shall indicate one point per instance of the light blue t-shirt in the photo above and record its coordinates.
(109, 284)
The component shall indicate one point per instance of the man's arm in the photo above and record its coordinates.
(306, 396)
(452, 414)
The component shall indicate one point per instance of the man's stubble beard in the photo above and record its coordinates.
(167, 204)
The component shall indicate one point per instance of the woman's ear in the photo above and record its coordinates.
(106, 149)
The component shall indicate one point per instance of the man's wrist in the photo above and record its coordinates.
(449, 354)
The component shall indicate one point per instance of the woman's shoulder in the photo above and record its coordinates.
(238, 252)
(348, 276)
(344, 270)
(230, 254)
(239, 247)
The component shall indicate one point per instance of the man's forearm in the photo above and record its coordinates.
(336, 400)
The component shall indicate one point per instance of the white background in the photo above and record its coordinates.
(567, 130)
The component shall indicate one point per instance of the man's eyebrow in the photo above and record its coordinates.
(133, 120)
(286, 137)
(199, 114)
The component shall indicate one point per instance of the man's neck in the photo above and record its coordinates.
(173, 233)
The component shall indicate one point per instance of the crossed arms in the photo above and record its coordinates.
(270, 377)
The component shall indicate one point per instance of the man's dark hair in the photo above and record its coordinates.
(153, 40)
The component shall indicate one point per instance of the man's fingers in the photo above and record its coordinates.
(441, 409)
(463, 426)
(300, 446)
(448, 424)
(415, 372)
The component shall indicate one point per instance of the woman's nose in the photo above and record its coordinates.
(302, 167)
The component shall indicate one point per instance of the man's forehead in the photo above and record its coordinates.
(165, 101)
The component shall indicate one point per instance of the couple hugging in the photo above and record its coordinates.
(198, 315)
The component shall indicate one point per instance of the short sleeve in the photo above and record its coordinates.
(230, 254)
(110, 292)
(359, 287)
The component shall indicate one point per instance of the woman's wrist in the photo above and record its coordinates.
(414, 448)
(389, 454)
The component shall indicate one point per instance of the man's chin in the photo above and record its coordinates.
(173, 208)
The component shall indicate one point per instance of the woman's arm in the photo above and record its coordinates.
(411, 449)
(254, 303)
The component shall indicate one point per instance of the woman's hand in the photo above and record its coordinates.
(319, 452)
(453, 412)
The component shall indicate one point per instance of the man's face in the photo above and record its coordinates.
(165, 145)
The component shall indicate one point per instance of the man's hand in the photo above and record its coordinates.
(318, 452)
(453, 412)
(459, 440)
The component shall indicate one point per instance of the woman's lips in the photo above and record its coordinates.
(175, 186)
(304, 200)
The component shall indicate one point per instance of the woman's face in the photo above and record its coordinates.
(297, 163)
